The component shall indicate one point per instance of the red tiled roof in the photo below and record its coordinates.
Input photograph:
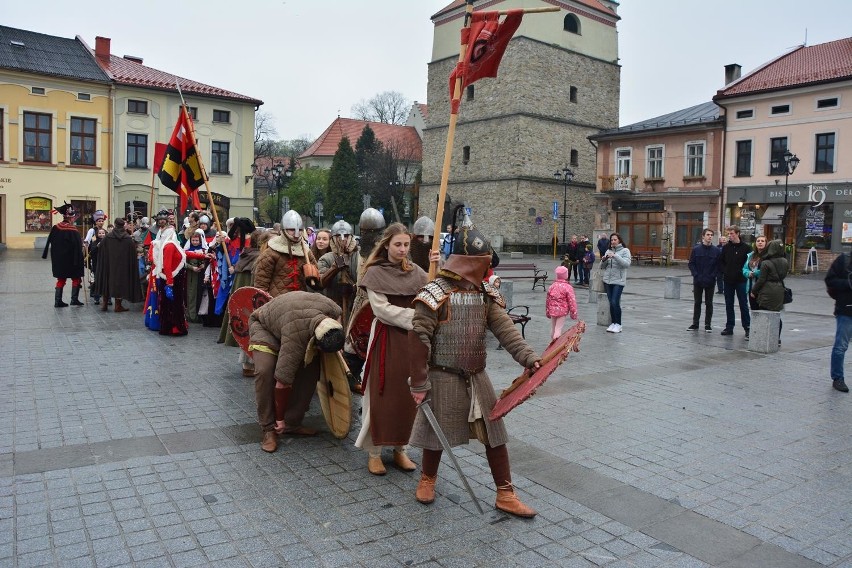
(424, 110)
(820, 63)
(326, 144)
(593, 4)
(126, 72)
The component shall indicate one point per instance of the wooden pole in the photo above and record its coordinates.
(451, 132)
(188, 120)
(151, 203)
(448, 150)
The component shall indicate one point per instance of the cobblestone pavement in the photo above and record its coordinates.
(655, 447)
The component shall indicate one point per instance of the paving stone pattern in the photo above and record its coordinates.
(654, 447)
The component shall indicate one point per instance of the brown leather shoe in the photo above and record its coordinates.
(426, 489)
(118, 306)
(248, 372)
(269, 442)
(507, 501)
(375, 465)
(402, 461)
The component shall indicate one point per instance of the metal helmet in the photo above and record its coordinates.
(291, 220)
(424, 227)
(341, 229)
(371, 219)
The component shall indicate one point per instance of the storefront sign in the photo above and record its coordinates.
(814, 223)
(637, 206)
(37, 214)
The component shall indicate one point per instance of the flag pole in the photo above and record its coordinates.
(189, 121)
(451, 130)
(448, 150)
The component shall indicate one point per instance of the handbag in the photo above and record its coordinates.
(597, 284)
(788, 295)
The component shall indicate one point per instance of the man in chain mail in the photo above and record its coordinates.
(339, 268)
(452, 314)
(422, 232)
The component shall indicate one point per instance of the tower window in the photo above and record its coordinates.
(575, 158)
(466, 155)
(572, 96)
(572, 24)
(470, 92)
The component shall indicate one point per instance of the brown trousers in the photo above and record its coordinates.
(304, 387)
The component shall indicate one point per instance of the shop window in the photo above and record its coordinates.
(37, 216)
(814, 226)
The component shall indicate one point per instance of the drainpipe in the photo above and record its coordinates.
(111, 154)
(722, 187)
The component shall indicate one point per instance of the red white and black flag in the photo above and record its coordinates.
(179, 169)
(486, 40)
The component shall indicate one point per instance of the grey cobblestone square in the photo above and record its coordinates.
(675, 422)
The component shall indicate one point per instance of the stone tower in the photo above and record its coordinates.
(557, 84)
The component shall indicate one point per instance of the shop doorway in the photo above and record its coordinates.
(640, 230)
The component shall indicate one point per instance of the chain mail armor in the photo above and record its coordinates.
(459, 342)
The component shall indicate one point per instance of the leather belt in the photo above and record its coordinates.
(464, 373)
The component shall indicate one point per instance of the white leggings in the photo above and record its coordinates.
(556, 327)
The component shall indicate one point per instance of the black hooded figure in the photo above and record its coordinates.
(66, 255)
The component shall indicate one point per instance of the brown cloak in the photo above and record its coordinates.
(117, 274)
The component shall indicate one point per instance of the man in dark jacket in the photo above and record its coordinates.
(704, 265)
(603, 244)
(575, 256)
(837, 281)
(66, 255)
(732, 260)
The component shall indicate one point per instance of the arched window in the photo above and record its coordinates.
(572, 24)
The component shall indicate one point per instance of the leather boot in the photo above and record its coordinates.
(118, 306)
(57, 302)
(375, 465)
(269, 443)
(281, 398)
(105, 306)
(402, 461)
(508, 501)
(75, 296)
(426, 489)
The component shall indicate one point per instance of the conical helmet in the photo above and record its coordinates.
(371, 219)
(291, 220)
(424, 227)
(341, 229)
(470, 241)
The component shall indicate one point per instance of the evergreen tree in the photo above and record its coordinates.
(343, 195)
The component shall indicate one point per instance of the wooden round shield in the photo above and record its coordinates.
(334, 396)
(525, 386)
(240, 306)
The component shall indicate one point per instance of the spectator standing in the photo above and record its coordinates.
(94, 248)
(768, 288)
(704, 266)
(732, 260)
(587, 263)
(560, 302)
(603, 245)
(574, 255)
(614, 266)
(751, 268)
(117, 274)
(838, 282)
(720, 278)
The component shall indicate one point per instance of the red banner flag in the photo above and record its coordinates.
(486, 40)
(179, 169)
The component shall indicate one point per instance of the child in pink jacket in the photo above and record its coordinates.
(560, 302)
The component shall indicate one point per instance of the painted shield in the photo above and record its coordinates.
(359, 329)
(334, 396)
(240, 306)
(525, 386)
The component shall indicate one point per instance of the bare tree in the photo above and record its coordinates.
(393, 170)
(390, 107)
(264, 134)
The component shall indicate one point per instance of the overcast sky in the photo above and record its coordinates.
(309, 60)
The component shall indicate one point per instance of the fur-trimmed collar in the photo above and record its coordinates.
(285, 246)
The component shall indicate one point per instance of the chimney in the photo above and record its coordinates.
(733, 71)
(102, 48)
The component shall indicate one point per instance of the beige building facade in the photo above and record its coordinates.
(660, 180)
(558, 83)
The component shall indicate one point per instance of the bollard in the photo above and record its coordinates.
(593, 296)
(604, 317)
(764, 330)
(672, 288)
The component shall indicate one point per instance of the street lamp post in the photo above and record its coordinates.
(279, 175)
(566, 175)
(789, 164)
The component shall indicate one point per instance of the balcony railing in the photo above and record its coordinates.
(618, 183)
